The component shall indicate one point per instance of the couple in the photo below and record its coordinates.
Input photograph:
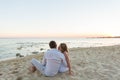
(54, 60)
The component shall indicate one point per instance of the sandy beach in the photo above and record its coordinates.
(93, 63)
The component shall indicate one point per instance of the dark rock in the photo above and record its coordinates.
(41, 49)
(19, 48)
(35, 52)
(19, 55)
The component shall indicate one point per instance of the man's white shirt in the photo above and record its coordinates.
(54, 62)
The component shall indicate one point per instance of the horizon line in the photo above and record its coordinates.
(62, 37)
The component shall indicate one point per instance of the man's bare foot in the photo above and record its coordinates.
(32, 69)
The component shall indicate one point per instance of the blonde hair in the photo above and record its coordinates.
(63, 47)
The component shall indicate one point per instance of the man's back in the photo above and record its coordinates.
(53, 61)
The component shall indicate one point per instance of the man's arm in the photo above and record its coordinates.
(44, 60)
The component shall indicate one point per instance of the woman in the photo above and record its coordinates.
(63, 48)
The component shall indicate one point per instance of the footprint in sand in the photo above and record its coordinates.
(0, 74)
(15, 71)
(19, 78)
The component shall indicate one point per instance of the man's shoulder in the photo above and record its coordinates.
(54, 51)
(54, 54)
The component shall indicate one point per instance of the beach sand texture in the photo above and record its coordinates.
(94, 63)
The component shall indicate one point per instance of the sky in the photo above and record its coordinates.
(59, 18)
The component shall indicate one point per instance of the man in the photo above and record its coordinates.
(51, 62)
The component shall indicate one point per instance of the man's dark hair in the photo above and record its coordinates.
(52, 44)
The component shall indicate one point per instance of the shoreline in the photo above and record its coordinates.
(4, 59)
(92, 63)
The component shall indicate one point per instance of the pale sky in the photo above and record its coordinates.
(59, 18)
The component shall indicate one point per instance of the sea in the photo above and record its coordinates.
(9, 47)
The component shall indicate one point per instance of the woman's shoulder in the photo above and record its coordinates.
(65, 53)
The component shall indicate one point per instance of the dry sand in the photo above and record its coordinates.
(94, 63)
